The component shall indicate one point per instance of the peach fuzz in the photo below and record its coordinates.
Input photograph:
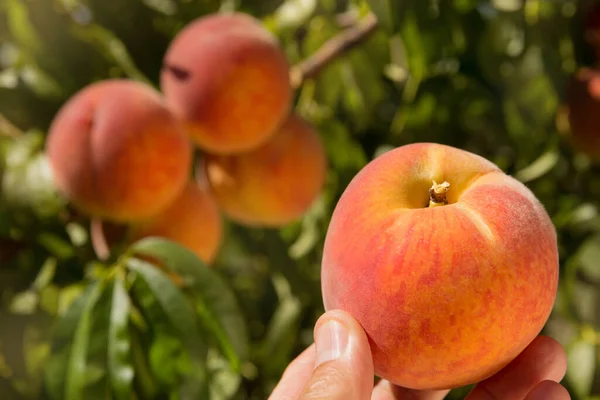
(117, 153)
(448, 294)
(227, 78)
(583, 105)
(193, 220)
(274, 184)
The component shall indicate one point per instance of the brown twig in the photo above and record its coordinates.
(9, 129)
(347, 19)
(332, 48)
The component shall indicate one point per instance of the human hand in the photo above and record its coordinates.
(339, 366)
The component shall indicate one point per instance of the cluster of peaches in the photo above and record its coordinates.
(124, 152)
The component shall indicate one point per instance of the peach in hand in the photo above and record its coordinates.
(274, 184)
(117, 152)
(227, 78)
(450, 265)
(193, 220)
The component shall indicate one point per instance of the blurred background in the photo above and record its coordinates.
(486, 76)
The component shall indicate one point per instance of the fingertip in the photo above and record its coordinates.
(547, 348)
(356, 334)
(344, 366)
(543, 360)
(340, 316)
(548, 390)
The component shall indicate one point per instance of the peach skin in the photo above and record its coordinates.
(449, 265)
(227, 78)
(274, 184)
(193, 220)
(117, 153)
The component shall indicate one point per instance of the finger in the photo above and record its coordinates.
(544, 359)
(548, 390)
(295, 376)
(344, 366)
(384, 390)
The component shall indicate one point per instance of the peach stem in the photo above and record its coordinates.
(437, 194)
(98, 239)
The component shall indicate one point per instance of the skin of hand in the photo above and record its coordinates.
(339, 366)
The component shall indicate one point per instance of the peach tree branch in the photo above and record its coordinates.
(333, 48)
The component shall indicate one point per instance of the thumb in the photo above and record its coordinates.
(344, 366)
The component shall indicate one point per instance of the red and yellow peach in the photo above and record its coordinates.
(193, 220)
(274, 184)
(117, 152)
(450, 265)
(227, 78)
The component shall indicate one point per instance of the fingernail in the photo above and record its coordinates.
(331, 340)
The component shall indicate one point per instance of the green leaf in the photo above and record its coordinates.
(29, 185)
(76, 370)
(343, 152)
(41, 82)
(49, 299)
(67, 323)
(388, 13)
(282, 331)
(56, 245)
(119, 360)
(465, 5)
(292, 14)
(164, 355)
(46, 274)
(540, 167)
(416, 53)
(182, 317)
(24, 303)
(55, 372)
(589, 254)
(20, 25)
(581, 365)
(111, 47)
(586, 302)
(216, 302)
(170, 298)
(224, 383)
(93, 374)
(368, 68)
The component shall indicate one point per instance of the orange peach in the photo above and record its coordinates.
(193, 220)
(583, 104)
(117, 152)
(274, 184)
(227, 78)
(450, 280)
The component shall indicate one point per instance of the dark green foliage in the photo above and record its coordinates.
(486, 76)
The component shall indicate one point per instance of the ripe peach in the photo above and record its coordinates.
(192, 220)
(117, 152)
(583, 103)
(227, 78)
(448, 294)
(274, 184)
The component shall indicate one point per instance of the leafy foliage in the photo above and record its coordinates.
(487, 76)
